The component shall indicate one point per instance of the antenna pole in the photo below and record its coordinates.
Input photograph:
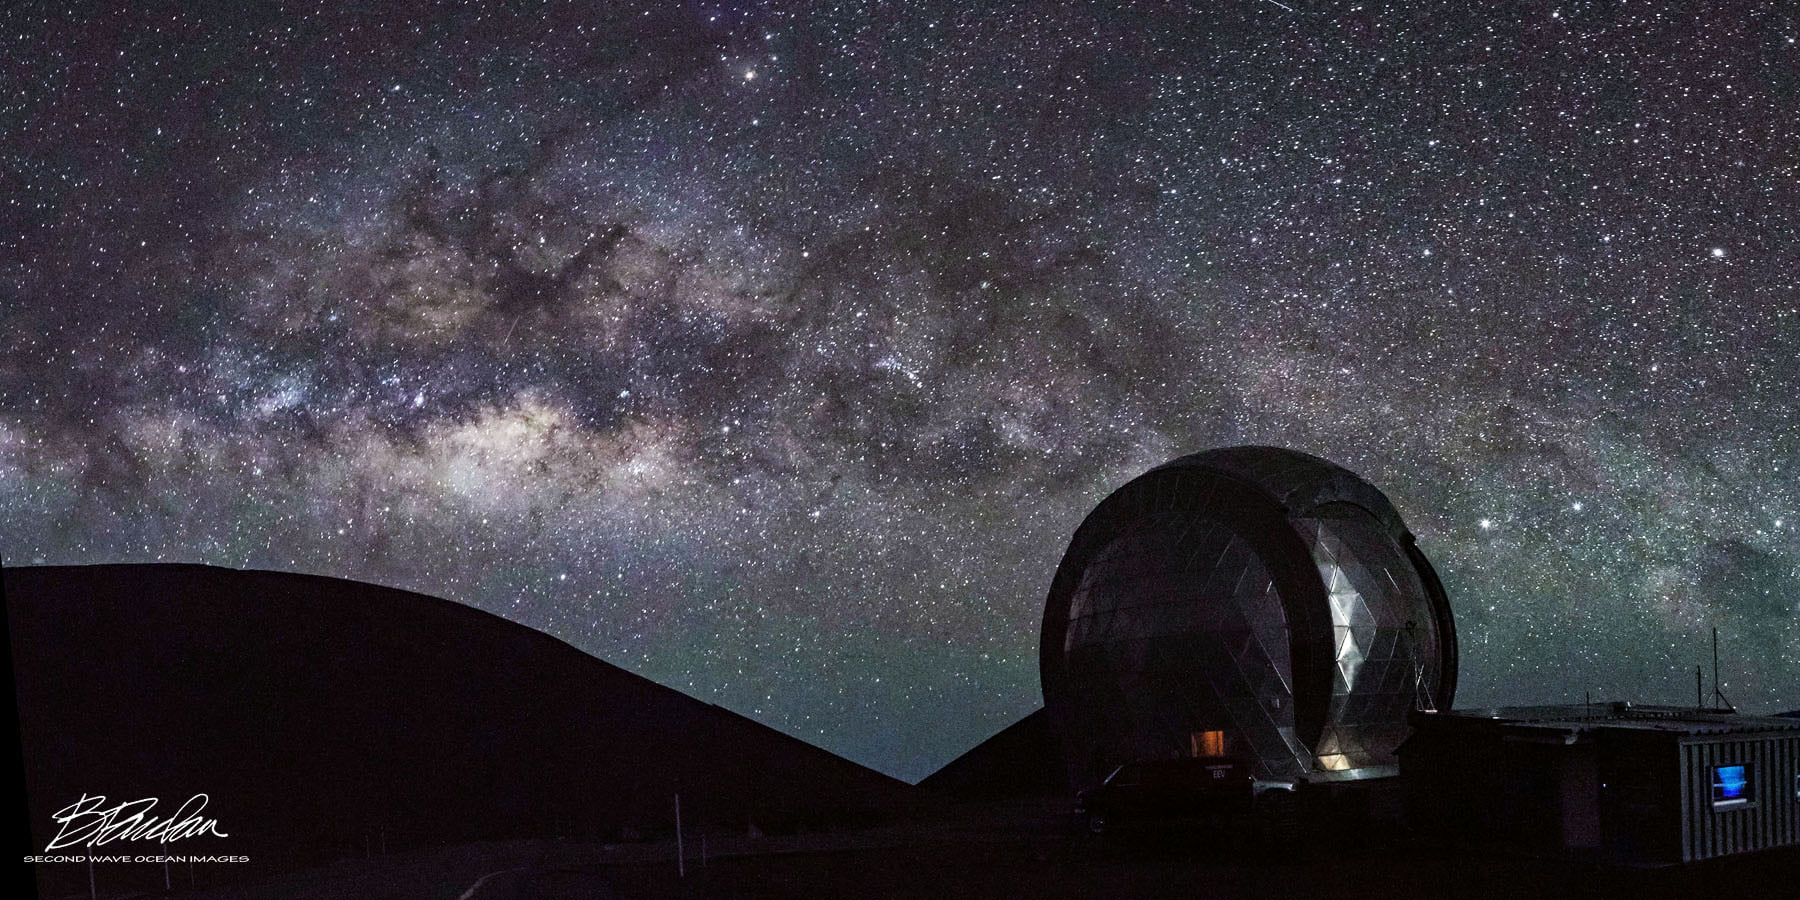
(1720, 701)
(1699, 696)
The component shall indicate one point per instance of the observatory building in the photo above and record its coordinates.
(1252, 602)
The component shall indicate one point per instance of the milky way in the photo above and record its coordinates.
(774, 352)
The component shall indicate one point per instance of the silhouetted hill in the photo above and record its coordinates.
(1022, 759)
(325, 716)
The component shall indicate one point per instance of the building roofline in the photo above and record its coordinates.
(1576, 718)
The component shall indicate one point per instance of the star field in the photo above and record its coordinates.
(774, 351)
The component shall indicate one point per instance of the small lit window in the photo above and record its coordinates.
(1731, 786)
(1207, 743)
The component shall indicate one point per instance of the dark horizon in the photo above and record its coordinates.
(350, 738)
(318, 714)
(1010, 730)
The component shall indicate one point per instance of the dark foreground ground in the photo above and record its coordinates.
(1023, 851)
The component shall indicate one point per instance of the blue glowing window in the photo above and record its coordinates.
(1731, 785)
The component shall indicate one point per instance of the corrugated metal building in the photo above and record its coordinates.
(1640, 785)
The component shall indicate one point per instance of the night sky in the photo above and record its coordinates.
(775, 351)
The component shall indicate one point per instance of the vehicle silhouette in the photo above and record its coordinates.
(1213, 792)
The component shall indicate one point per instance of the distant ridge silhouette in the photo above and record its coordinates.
(325, 717)
(1020, 760)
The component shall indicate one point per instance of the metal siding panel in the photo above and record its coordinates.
(1697, 836)
(1784, 793)
(1727, 823)
(1689, 827)
(1750, 828)
(1765, 798)
(1792, 792)
(1702, 817)
(1713, 826)
(1742, 752)
(1784, 821)
(1740, 821)
(1723, 820)
(1765, 819)
(1703, 802)
(1703, 847)
(1720, 828)
(1721, 823)
(1703, 826)
(1697, 782)
(1777, 803)
(1778, 806)
(1778, 826)
(1753, 830)
(1697, 846)
(1776, 810)
(1691, 785)
(1751, 837)
(1756, 828)
(1780, 789)
(1739, 817)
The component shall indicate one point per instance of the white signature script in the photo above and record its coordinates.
(86, 823)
